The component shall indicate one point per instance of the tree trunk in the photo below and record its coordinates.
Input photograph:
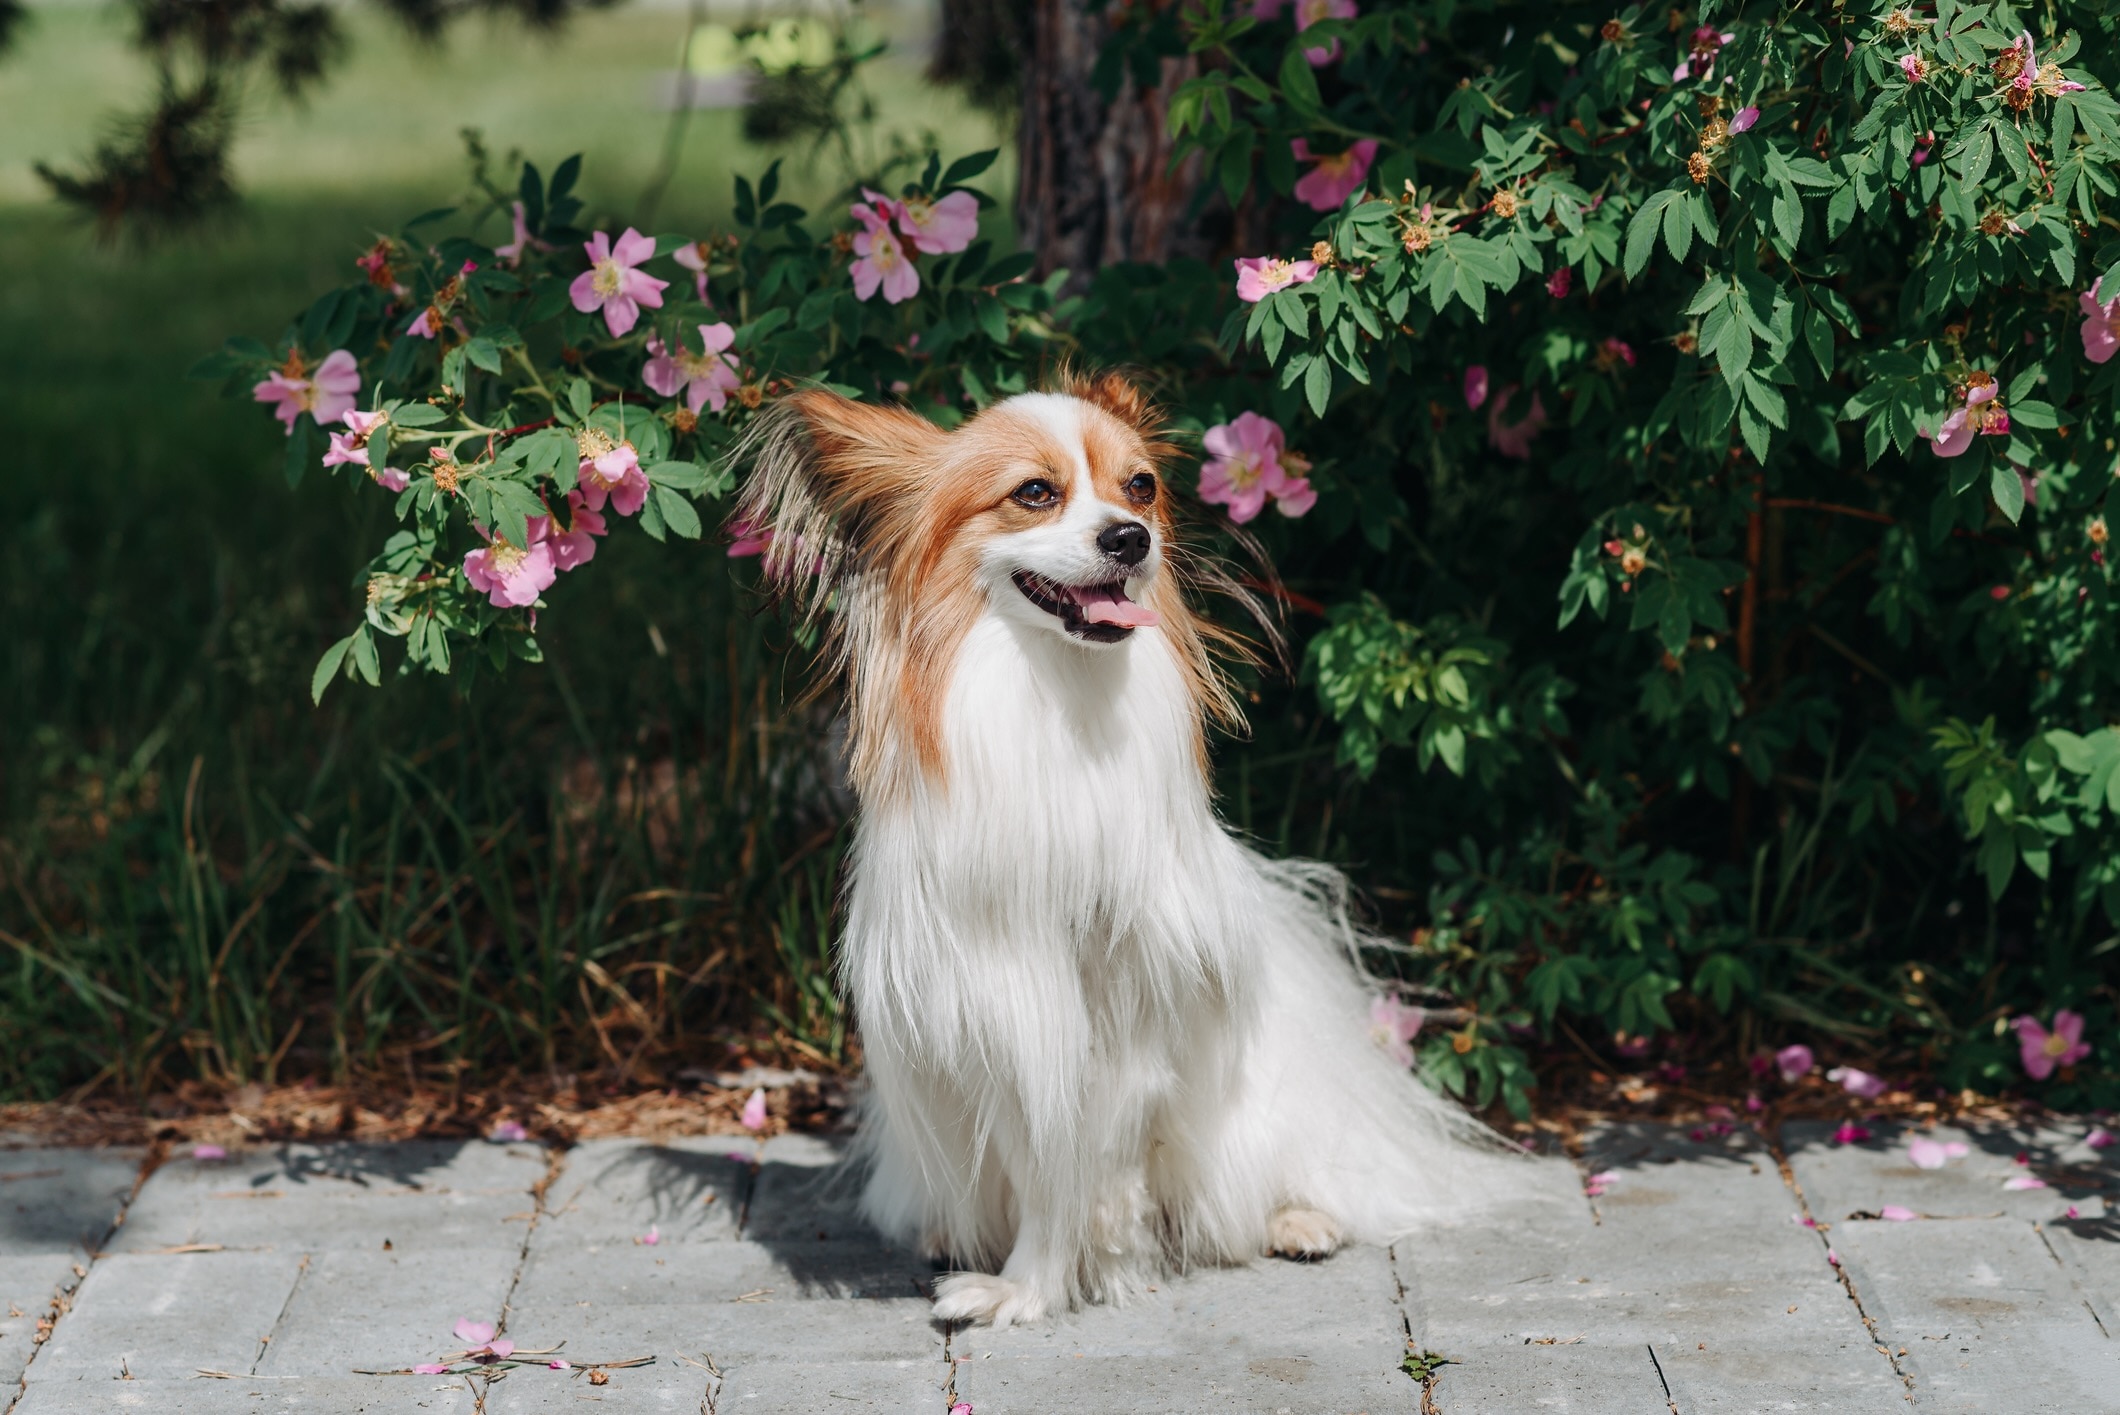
(1094, 179)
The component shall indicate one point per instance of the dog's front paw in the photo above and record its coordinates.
(983, 1297)
(1302, 1233)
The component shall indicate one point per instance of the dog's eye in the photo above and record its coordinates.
(1141, 487)
(1037, 492)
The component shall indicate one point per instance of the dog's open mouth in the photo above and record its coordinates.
(1100, 613)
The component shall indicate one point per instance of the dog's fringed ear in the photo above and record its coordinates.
(819, 469)
(1122, 398)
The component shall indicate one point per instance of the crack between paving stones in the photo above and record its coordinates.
(63, 1300)
(555, 1159)
(1398, 1299)
(1660, 1377)
(2070, 1273)
(265, 1342)
(1905, 1372)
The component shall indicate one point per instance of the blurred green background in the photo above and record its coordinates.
(612, 864)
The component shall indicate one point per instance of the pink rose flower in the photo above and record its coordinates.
(2041, 1051)
(1514, 439)
(327, 393)
(1335, 177)
(1794, 1063)
(613, 282)
(1698, 61)
(1971, 420)
(880, 263)
(510, 576)
(616, 476)
(351, 447)
(1309, 12)
(1244, 468)
(1260, 276)
(707, 378)
(512, 253)
(2101, 324)
(1393, 1025)
(1560, 282)
(1913, 68)
(577, 544)
(1742, 120)
(940, 227)
(746, 539)
(693, 257)
(1475, 385)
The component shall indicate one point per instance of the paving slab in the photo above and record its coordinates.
(686, 1191)
(432, 1194)
(166, 1316)
(1291, 1384)
(348, 1396)
(62, 1201)
(803, 1190)
(1587, 1378)
(378, 1311)
(818, 1388)
(1840, 1180)
(27, 1286)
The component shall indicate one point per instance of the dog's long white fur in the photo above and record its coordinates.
(1103, 1037)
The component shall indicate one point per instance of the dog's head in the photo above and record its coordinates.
(1047, 510)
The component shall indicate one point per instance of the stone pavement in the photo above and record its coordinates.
(311, 1278)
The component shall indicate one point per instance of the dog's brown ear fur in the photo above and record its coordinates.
(821, 467)
(1122, 398)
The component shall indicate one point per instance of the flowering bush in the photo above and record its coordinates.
(1706, 429)
(522, 400)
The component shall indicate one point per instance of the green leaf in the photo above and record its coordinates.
(483, 353)
(678, 511)
(1818, 335)
(967, 167)
(1317, 386)
(328, 668)
(301, 449)
(364, 659)
(1299, 82)
(2008, 490)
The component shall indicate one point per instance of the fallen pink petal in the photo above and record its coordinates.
(208, 1152)
(1851, 1134)
(509, 1130)
(1857, 1082)
(473, 1333)
(2099, 1138)
(559, 1363)
(2024, 1181)
(1893, 1213)
(649, 1239)
(1934, 1154)
(1833, 1257)
(754, 1112)
(430, 1368)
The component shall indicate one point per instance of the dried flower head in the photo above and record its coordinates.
(750, 395)
(1901, 22)
(1633, 560)
(1994, 222)
(1709, 104)
(1612, 32)
(1417, 239)
(2097, 531)
(1685, 341)
(2011, 61)
(1504, 204)
(684, 420)
(1714, 135)
(1322, 253)
(1698, 167)
(445, 477)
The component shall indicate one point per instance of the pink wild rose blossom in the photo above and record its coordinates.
(612, 474)
(747, 539)
(1514, 439)
(940, 227)
(1912, 66)
(880, 262)
(1336, 176)
(326, 393)
(1698, 61)
(1475, 385)
(510, 576)
(1393, 1025)
(693, 256)
(2101, 324)
(1309, 12)
(707, 379)
(614, 283)
(1245, 467)
(576, 545)
(2041, 1051)
(1794, 1063)
(1260, 276)
(1742, 120)
(1975, 418)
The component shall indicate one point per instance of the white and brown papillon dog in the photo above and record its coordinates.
(1104, 1038)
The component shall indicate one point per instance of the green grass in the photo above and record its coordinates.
(599, 864)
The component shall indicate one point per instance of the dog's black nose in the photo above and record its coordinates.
(1124, 541)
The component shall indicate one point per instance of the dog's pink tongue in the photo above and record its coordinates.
(1105, 606)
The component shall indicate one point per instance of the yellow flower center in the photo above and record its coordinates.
(610, 277)
(2056, 1045)
(884, 250)
(1277, 273)
(1243, 469)
(918, 210)
(503, 558)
